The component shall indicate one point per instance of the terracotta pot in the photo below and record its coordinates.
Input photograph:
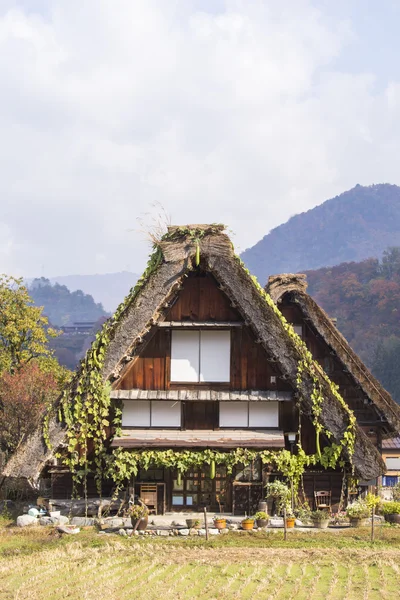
(262, 522)
(290, 521)
(247, 525)
(142, 523)
(321, 524)
(220, 523)
(356, 522)
(393, 518)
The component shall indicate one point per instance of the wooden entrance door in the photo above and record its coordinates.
(200, 415)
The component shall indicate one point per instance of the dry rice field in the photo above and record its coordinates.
(119, 569)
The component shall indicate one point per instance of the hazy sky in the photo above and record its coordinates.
(240, 111)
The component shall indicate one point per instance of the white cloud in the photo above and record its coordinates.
(233, 115)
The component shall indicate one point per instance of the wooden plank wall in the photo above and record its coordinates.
(200, 299)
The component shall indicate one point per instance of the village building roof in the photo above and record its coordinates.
(295, 285)
(175, 256)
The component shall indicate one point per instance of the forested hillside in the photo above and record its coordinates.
(365, 299)
(61, 306)
(356, 225)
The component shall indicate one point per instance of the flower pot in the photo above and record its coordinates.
(321, 524)
(141, 523)
(393, 518)
(290, 521)
(247, 524)
(359, 522)
(262, 522)
(193, 523)
(220, 523)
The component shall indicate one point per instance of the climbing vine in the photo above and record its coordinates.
(89, 415)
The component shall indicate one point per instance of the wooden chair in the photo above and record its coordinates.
(148, 495)
(323, 500)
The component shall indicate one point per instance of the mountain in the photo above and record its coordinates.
(61, 306)
(109, 289)
(364, 297)
(356, 225)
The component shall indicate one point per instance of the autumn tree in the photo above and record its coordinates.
(30, 377)
(23, 397)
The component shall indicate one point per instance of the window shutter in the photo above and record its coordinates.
(185, 356)
(215, 356)
(136, 413)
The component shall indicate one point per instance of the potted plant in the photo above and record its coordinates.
(290, 519)
(193, 523)
(320, 519)
(358, 513)
(139, 515)
(248, 523)
(391, 512)
(219, 522)
(261, 518)
(282, 496)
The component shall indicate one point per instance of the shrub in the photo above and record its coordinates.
(358, 510)
(261, 515)
(391, 508)
(319, 515)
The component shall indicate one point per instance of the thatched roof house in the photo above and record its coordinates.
(206, 250)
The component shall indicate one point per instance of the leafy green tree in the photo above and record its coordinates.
(30, 377)
(24, 331)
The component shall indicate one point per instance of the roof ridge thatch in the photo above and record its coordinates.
(296, 285)
(178, 252)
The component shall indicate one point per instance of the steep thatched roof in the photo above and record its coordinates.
(177, 253)
(296, 285)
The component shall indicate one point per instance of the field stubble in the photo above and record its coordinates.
(149, 570)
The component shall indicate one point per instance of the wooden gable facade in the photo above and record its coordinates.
(255, 387)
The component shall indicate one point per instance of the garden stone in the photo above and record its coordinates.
(200, 532)
(276, 522)
(298, 523)
(164, 533)
(213, 531)
(114, 522)
(122, 532)
(25, 520)
(184, 532)
(136, 533)
(129, 532)
(82, 521)
(68, 529)
(46, 521)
